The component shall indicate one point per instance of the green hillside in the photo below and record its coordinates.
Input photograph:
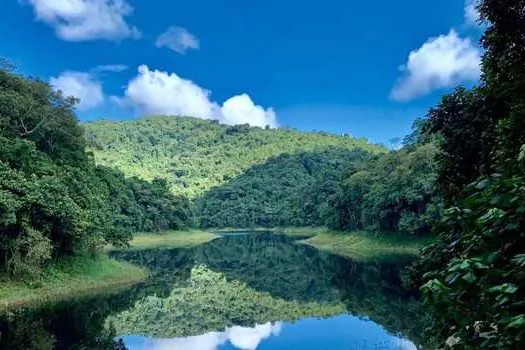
(194, 155)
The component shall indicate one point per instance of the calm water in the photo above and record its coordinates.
(250, 291)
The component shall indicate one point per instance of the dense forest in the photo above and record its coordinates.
(54, 201)
(473, 278)
(241, 176)
(194, 155)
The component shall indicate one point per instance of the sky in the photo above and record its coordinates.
(365, 68)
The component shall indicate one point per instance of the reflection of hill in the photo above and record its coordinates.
(66, 325)
(288, 272)
(275, 264)
(210, 302)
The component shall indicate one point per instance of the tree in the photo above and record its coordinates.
(474, 280)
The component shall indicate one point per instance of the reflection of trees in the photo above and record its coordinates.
(210, 302)
(293, 272)
(247, 280)
(67, 325)
(271, 263)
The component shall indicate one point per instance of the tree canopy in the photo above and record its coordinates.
(473, 277)
(54, 200)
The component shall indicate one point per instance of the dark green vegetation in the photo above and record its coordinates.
(474, 278)
(78, 324)
(288, 190)
(395, 192)
(342, 189)
(246, 176)
(55, 203)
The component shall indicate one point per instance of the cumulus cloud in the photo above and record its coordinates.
(178, 39)
(244, 338)
(81, 85)
(159, 92)
(240, 109)
(441, 62)
(471, 12)
(81, 20)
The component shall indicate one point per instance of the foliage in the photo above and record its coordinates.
(291, 189)
(392, 193)
(247, 176)
(476, 276)
(464, 127)
(142, 206)
(194, 155)
(54, 201)
(473, 279)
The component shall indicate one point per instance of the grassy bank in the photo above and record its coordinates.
(358, 245)
(71, 278)
(169, 239)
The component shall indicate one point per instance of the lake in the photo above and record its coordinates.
(248, 291)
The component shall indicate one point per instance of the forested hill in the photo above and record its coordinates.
(195, 155)
(241, 176)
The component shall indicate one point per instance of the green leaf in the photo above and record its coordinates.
(517, 321)
(519, 259)
(469, 277)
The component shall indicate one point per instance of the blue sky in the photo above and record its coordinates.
(331, 65)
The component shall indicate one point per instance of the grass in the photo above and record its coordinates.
(72, 278)
(359, 245)
(169, 239)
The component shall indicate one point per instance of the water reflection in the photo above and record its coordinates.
(237, 292)
(236, 337)
(341, 332)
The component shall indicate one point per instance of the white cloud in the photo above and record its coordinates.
(159, 92)
(208, 341)
(471, 13)
(441, 62)
(116, 68)
(241, 109)
(80, 20)
(178, 39)
(82, 86)
(250, 338)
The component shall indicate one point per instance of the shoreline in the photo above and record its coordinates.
(357, 245)
(100, 274)
(76, 278)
